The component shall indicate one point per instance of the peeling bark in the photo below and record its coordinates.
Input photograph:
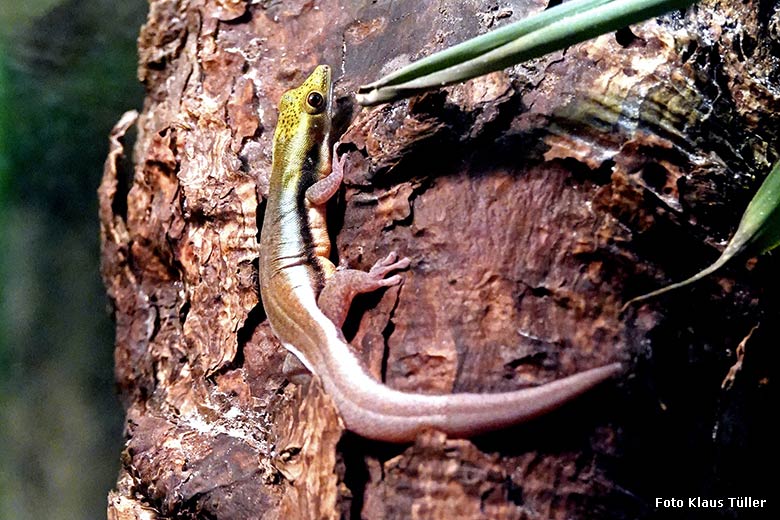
(533, 202)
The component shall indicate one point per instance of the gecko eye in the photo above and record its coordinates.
(316, 102)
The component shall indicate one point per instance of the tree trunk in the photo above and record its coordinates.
(533, 202)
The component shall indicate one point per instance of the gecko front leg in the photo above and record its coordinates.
(321, 191)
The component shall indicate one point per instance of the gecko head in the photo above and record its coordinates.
(305, 111)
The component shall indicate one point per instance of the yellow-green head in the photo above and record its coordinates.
(305, 111)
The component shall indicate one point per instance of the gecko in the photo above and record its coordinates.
(306, 298)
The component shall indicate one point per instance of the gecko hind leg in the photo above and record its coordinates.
(294, 370)
(341, 288)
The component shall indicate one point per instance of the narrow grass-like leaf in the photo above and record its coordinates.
(546, 32)
(758, 232)
(480, 45)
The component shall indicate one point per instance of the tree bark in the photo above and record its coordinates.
(533, 202)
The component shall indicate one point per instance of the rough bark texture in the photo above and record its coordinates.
(533, 202)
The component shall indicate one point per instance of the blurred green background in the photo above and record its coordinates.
(67, 72)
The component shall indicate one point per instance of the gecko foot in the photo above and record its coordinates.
(387, 265)
(339, 291)
(338, 162)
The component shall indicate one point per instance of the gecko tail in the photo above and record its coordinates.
(378, 412)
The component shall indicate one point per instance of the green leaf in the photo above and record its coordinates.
(535, 36)
(758, 232)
